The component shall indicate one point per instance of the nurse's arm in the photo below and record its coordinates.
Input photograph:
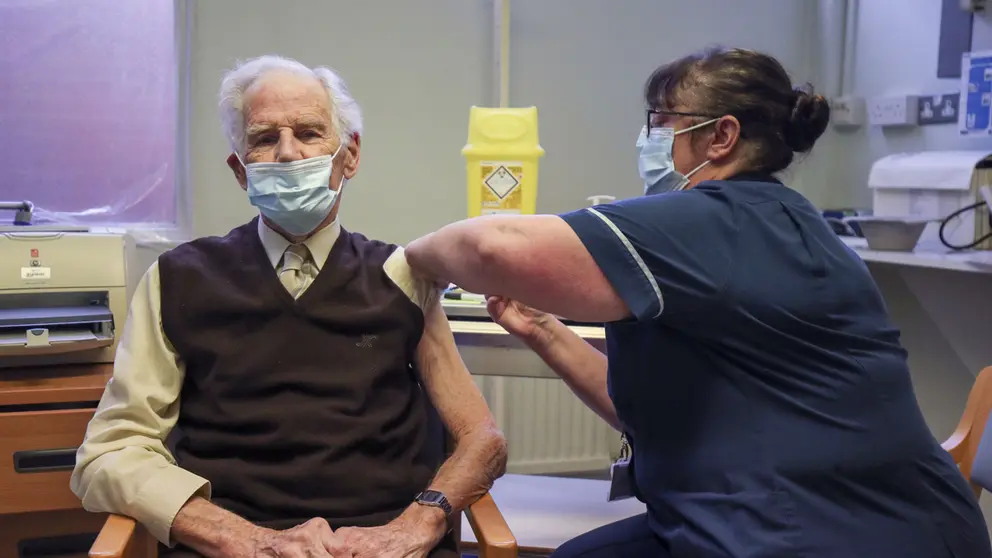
(582, 367)
(538, 260)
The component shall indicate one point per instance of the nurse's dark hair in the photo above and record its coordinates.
(777, 119)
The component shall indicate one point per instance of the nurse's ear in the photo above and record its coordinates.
(726, 134)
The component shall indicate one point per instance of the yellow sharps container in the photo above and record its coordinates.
(502, 155)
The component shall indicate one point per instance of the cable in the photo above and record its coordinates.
(949, 218)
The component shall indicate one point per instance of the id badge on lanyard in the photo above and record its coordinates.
(621, 485)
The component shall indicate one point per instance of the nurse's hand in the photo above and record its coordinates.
(522, 321)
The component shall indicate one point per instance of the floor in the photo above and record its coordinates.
(594, 475)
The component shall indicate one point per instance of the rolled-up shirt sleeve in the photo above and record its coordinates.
(419, 290)
(123, 465)
(666, 254)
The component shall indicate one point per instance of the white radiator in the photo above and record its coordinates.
(547, 428)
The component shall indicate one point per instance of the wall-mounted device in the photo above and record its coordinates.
(939, 109)
(896, 110)
(974, 5)
(848, 112)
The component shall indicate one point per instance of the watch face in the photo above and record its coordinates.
(434, 498)
(431, 496)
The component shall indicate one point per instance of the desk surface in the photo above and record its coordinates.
(973, 261)
(544, 512)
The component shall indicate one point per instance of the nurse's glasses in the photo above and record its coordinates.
(652, 114)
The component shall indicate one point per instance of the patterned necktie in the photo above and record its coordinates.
(292, 275)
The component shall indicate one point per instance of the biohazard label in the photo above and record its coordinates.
(501, 187)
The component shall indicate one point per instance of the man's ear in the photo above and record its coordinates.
(354, 153)
(726, 134)
(238, 169)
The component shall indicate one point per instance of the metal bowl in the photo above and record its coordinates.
(897, 234)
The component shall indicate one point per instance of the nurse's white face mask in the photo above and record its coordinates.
(656, 165)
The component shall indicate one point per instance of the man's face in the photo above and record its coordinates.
(288, 118)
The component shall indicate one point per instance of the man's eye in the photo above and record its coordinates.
(309, 134)
(265, 140)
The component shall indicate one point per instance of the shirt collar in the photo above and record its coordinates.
(751, 176)
(319, 244)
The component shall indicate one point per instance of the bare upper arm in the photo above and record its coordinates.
(446, 379)
(540, 261)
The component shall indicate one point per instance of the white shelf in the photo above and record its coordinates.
(972, 261)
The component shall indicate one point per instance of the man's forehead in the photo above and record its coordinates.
(285, 95)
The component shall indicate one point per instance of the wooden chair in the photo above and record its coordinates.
(971, 443)
(123, 537)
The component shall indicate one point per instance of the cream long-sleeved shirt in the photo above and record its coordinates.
(123, 465)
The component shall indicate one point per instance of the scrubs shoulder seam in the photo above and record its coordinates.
(636, 256)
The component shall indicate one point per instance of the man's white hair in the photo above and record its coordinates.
(345, 112)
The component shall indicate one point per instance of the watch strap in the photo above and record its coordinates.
(434, 499)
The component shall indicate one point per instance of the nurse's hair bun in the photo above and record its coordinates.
(808, 120)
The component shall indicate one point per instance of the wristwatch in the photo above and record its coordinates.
(434, 499)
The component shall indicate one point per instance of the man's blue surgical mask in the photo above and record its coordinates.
(296, 196)
(655, 163)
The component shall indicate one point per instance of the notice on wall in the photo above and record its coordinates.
(975, 114)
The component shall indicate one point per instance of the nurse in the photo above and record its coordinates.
(752, 364)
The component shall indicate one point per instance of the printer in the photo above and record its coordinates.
(63, 295)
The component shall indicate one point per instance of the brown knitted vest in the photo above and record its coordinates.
(304, 408)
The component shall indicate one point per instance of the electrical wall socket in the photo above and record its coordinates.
(939, 109)
(894, 111)
(847, 112)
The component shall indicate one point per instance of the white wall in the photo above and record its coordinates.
(416, 67)
(583, 63)
(890, 59)
(896, 53)
(942, 315)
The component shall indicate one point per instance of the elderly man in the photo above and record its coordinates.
(298, 361)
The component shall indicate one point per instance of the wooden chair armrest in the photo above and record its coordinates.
(960, 442)
(955, 446)
(491, 530)
(122, 537)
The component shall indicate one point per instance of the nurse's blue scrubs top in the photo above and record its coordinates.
(765, 392)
